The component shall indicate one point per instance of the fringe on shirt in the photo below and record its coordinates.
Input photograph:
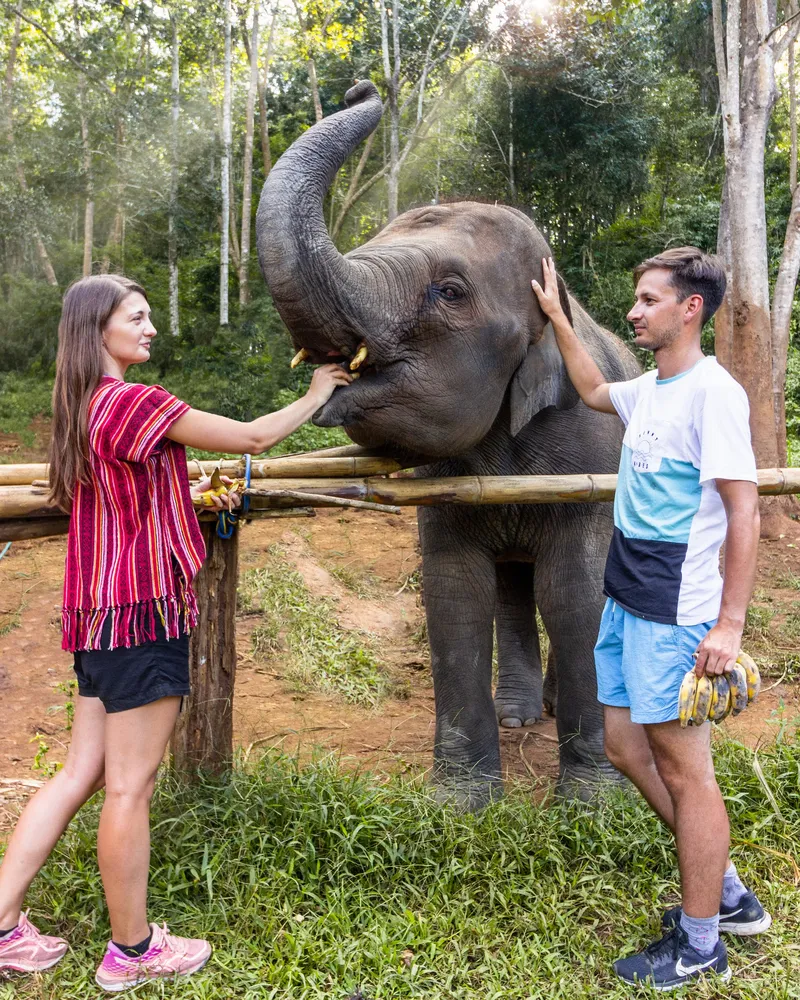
(131, 624)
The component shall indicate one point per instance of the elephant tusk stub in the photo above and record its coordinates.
(360, 358)
(301, 356)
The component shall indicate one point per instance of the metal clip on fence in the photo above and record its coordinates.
(227, 519)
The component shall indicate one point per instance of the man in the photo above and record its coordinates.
(687, 482)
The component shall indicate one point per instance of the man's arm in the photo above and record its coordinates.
(581, 367)
(717, 653)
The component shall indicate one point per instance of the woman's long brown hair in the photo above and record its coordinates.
(87, 308)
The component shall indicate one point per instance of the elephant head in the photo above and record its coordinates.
(441, 299)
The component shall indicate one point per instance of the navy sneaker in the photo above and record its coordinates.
(671, 962)
(747, 917)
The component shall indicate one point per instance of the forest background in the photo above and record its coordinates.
(601, 119)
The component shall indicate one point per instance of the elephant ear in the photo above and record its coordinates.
(541, 380)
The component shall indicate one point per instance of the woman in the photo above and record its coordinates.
(117, 461)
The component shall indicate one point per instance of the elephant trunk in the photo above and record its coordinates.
(325, 300)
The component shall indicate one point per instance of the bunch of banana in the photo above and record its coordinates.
(706, 698)
(218, 489)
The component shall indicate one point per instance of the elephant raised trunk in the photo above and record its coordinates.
(323, 298)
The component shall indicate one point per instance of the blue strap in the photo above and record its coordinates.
(226, 520)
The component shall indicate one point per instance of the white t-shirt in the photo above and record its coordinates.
(681, 435)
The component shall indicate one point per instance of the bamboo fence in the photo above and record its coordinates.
(346, 476)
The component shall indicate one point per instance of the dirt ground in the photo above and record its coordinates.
(268, 712)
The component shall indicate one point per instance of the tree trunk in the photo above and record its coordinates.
(746, 52)
(262, 100)
(86, 165)
(723, 319)
(41, 249)
(226, 170)
(114, 242)
(172, 236)
(312, 79)
(247, 168)
(392, 79)
(785, 283)
(88, 215)
(203, 736)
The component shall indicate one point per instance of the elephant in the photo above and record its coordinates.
(463, 369)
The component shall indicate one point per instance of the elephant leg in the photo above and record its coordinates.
(460, 593)
(569, 596)
(518, 696)
(550, 686)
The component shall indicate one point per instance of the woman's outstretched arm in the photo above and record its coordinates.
(212, 432)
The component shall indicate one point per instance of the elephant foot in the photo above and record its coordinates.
(466, 787)
(514, 709)
(467, 796)
(587, 782)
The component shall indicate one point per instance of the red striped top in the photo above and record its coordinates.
(134, 541)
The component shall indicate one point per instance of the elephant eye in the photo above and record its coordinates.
(450, 292)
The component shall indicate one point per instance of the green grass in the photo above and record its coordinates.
(790, 581)
(757, 623)
(311, 882)
(360, 582)
(320, 654)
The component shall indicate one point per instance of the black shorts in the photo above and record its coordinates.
(125, 678)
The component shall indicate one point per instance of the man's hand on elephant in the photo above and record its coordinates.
(548, 296)
(325, 380)
(718, 650)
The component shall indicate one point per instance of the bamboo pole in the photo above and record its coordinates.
(31, 502)
(309, 466)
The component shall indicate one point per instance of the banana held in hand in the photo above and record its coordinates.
(686, 698)
(737, 679)
(720, 699)
(218, 489)
(702, 700)
(751, 673)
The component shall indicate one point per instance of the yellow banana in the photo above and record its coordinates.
(218, 489)
(737, 679)
(686, 698)
(702, 700)
(721, 699)
(751, 673)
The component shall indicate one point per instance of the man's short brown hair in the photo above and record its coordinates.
(692, 272)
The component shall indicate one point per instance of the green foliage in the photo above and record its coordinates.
(308, 437)
(312, 882)
(22, 399)
(322, 655)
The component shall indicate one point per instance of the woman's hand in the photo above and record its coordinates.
(324, 380)
(548, 296)
(227, 502)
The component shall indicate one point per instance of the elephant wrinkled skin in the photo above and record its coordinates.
(463, 369)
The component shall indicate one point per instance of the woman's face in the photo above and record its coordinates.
(128, 333)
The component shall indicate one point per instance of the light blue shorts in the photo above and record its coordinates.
(640, 664)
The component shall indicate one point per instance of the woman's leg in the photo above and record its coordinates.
(47, 814)
(135, 743)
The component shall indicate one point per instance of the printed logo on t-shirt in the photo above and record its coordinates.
(647, 454)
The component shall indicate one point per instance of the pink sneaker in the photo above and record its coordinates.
(25, 949)
(167, 957)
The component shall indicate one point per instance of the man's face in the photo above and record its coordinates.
(657, 316)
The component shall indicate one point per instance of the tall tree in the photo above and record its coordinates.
(749, 41)
(263, 118)
(172, 236)
(247, 166)
(225, 179)
(41, 249)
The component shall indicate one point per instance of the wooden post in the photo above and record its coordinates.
(203, 736)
